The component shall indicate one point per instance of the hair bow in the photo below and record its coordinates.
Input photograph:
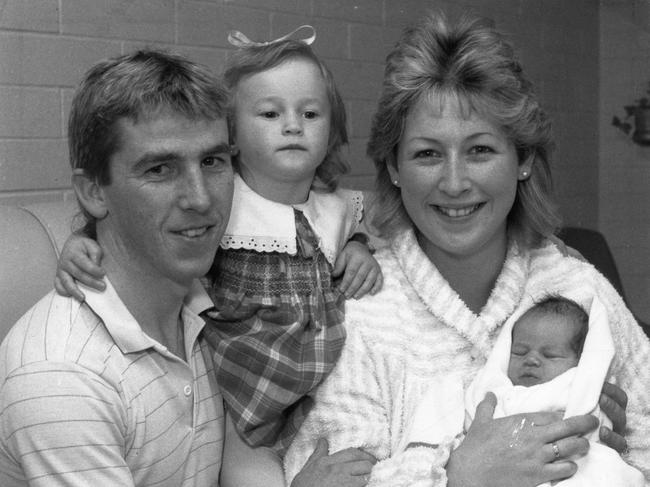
(238, 39)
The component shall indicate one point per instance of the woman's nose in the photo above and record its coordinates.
(455, 178)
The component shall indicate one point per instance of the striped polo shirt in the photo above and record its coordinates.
(87, 398)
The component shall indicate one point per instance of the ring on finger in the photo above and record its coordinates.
(556, 450)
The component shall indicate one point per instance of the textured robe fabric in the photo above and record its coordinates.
(417, 332)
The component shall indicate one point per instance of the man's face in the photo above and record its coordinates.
(170, 195)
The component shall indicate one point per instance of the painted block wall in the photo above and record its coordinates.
(624, 167)
(46, 45)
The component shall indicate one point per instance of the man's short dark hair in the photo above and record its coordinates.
(135, 86)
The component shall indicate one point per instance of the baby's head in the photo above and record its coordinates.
(547, 340)
(268, 79)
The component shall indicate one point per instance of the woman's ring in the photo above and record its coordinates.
(556, 450)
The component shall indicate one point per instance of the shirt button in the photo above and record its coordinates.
(187, 390)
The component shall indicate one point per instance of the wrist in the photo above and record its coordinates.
(457, 472)
(363, 239)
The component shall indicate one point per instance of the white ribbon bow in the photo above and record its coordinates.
(238, 39)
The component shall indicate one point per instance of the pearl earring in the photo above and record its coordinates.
(396, 183)
(524, 174)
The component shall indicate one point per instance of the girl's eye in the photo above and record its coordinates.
(270, 114)
(310, 115)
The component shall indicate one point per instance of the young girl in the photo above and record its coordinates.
(277, 323)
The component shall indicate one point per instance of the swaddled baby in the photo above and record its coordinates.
(558, 360)
(552, 356)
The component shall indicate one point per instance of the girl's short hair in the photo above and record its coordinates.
(253, 59)
(472, 62)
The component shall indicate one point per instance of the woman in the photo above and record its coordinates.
(461, 147)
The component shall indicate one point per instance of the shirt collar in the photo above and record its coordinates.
(259, 224)
(126, 331)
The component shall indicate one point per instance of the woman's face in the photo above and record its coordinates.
(458, 178)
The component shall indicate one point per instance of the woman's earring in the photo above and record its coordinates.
(396, 183)
(524, 174)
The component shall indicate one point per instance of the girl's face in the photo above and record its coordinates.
(458, 178)
(282, 125)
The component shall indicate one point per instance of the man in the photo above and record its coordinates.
(118, 390)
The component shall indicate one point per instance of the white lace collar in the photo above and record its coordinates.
(257, 223)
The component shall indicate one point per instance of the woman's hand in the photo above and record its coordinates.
(613, 402)
(346, 468)
(523, 450)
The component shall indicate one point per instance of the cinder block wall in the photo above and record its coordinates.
(46, 45)
(624, 215)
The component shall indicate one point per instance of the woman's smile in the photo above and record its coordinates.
(457, 211)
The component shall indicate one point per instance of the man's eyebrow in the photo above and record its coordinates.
(167, 156)
(154, 157)
(222, 148)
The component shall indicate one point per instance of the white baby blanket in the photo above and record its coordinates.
(438, 419)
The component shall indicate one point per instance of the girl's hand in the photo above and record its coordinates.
(361, 272)
(613, 402)
(518, 451)
(79, 260)
(347, 468)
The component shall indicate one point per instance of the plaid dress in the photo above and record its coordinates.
(277, 331)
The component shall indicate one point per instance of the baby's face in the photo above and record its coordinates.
(541, 348)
